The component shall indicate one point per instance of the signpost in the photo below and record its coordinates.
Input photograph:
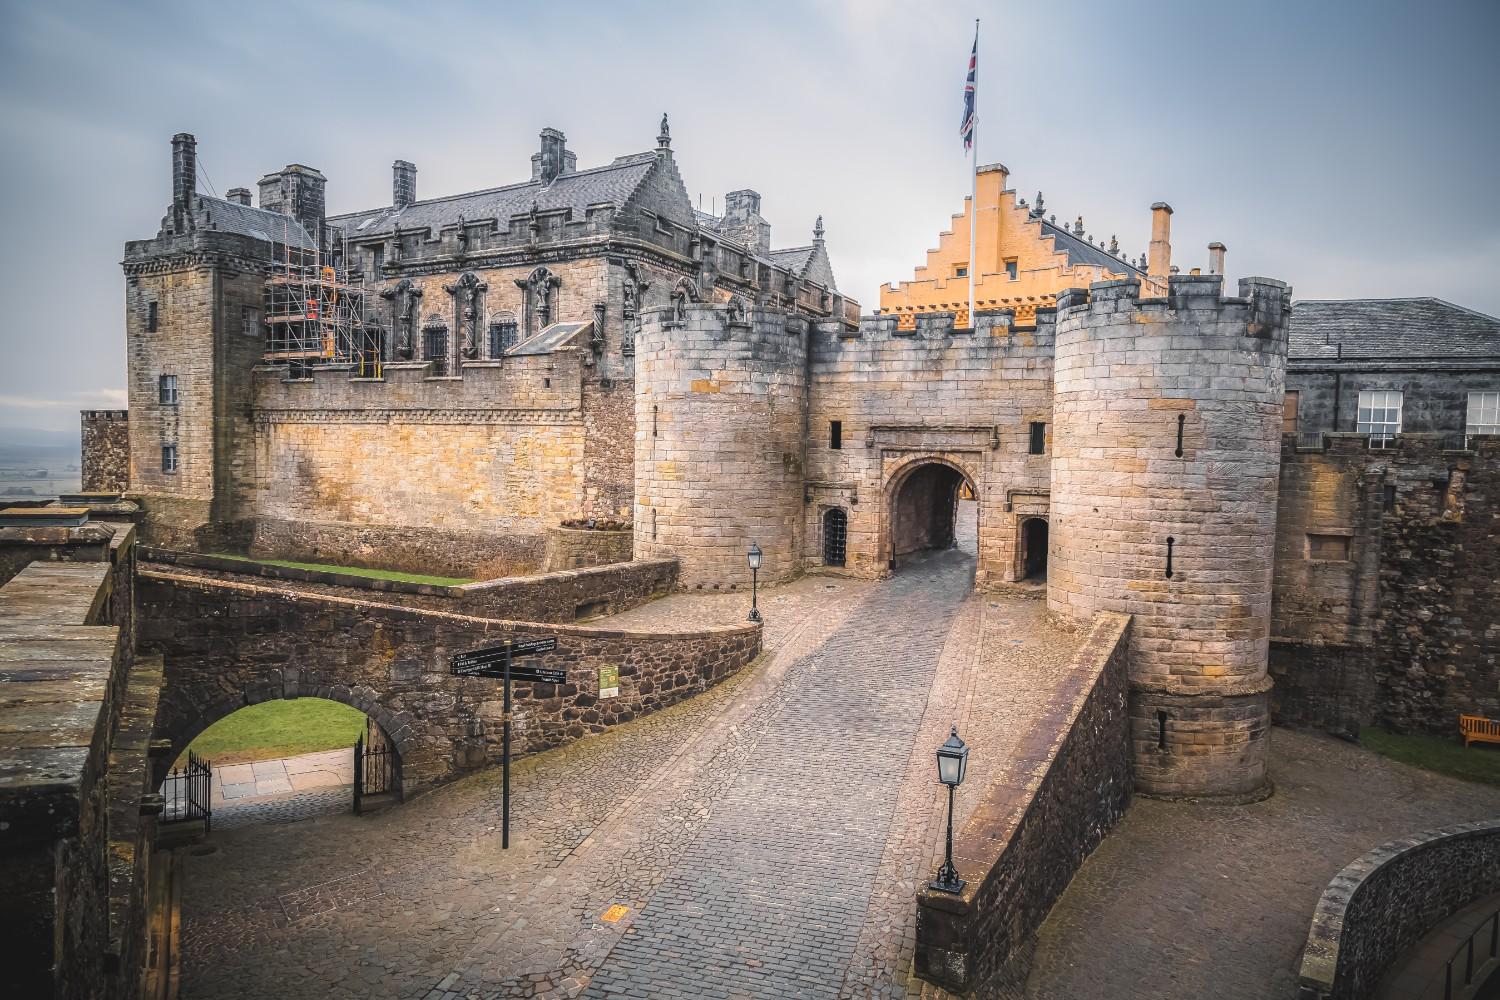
(495, 661)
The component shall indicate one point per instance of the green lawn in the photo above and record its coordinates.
(374, 574)
(1443, 754)
(275, 729)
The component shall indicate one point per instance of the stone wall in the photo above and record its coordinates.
(576, 548)
(105, 445)
(932, 393)
(564, 596)
(228, 644)
(1164, 478)
(1387, 900)
(1386, 606)
(1023, 844)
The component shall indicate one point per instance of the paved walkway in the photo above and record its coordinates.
(765, 839)
(234, 783)
(1184, 901)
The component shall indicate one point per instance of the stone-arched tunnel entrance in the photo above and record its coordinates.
(924, 510)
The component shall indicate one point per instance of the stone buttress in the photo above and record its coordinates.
(1164, 485)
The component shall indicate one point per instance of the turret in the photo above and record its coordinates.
(1167, 426)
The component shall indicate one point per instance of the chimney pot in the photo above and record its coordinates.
(1159, 254)
(1216, 258)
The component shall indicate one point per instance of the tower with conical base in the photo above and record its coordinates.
(1164, 476)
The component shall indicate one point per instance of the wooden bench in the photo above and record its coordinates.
(1478, 729)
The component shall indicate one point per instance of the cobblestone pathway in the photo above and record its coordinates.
(1183, 901)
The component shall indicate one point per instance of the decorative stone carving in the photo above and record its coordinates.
(634, 291)
(467, 294)
(406, 302)
(462, 237)
(596, 342)
(734, 312)
(684, 292)
(539, 286)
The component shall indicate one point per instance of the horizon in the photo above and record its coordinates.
(1370, 134)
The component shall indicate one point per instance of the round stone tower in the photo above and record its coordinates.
(721, 404)
(1166, 451)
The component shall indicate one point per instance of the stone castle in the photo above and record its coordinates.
(586, 345)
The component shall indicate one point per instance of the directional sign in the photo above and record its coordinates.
(528, 647)
(474, 663)
(539, 675)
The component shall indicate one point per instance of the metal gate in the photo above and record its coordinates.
(377, 766)
(835, 536)
(187, 793)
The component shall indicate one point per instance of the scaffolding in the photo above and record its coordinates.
(315, 316)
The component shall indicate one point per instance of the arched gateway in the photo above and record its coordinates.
(923, 508)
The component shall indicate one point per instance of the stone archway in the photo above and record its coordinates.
(1032, 549)
(922, 502)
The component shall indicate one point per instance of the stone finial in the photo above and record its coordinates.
(1052, 218)
(1114, 245)
(664, 137)
(818, 230)
(1037, 210)
(1078, 227)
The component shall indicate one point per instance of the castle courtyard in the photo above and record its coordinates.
(765, 838)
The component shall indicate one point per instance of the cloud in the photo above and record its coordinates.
(112, 399)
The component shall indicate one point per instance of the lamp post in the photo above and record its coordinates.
(953, 762)
(753, 558)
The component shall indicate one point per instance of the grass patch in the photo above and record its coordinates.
(1443, 754)
(275, 729)
(373, 574)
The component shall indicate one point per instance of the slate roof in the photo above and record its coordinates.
(1080, 251)
(1391, 328)
(232, 217)
(608, 185)
(794, 259)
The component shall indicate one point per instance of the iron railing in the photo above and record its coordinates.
(1464, 955)
(188, 793)
(377, 767)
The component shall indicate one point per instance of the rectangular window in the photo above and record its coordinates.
(377, 257)
(1330, 548)
(249, 321)
(836, 434)
(1038, 438)
(961, 271)
(1289, 412)
(1379, 415)
(1484, 414)
(502, 337)
(151, 317)
(169, 458)
(1010, 268)
(166, 390)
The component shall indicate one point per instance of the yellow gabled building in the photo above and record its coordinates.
(1024, 258)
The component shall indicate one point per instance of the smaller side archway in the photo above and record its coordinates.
(1033, 549)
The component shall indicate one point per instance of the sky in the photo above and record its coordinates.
(1347, 147)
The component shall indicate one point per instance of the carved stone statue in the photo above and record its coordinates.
(538, 287)
(735, 311)
(406, 302)
(466, 292)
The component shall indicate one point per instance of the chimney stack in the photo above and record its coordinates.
(297, 191)
(554, 158)
(403, 183)
(1216, 258)
(240, 196)
(1159, 255)
(184, 178)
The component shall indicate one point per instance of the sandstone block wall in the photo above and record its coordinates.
(720, 411)
(1167, 446)
(1023, 844)
(905, 398)
(1383, 903)
(578, 548)
(228, 644)
(105, 446)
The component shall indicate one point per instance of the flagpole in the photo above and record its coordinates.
(974, 183)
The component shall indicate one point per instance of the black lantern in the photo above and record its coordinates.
(953, 764)
(753, 557)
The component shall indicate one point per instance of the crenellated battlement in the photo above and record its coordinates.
(1263, 305)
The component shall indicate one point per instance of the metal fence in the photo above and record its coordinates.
(1462, 962)
(377, 767)
(188, 792)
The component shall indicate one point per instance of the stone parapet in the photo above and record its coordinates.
(579, 548)
(1023, 844)
(1385, 901)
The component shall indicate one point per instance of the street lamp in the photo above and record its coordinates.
(953, 762)
(753, 558)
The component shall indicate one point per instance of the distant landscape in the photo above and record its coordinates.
(38, 463)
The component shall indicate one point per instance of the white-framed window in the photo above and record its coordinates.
(169, 458)
(166, 390)
(1484, 414)
(1379, 415)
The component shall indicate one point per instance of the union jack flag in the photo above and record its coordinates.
(967, 129)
